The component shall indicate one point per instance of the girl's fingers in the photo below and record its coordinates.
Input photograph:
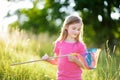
(45, 57)
(71, 57)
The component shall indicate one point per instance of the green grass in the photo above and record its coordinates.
(21, 46)
(108, 68)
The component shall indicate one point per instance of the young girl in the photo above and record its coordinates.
(70, 41)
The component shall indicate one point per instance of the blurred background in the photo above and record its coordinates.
(28, 29)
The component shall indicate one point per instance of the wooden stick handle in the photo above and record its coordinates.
(25, 62)
(37, 60)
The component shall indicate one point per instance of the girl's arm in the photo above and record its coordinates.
(77, 61)
(53, 61)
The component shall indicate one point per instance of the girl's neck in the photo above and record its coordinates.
(71, 40)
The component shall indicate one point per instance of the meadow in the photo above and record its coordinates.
(20, 46)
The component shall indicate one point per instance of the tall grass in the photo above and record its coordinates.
(108, 68)
(19, 46)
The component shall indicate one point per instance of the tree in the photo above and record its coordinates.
(96, 16)
(107, 28)
(38, 19)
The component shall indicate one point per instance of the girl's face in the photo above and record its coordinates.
(73, 30)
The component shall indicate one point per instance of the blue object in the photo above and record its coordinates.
(89, 58)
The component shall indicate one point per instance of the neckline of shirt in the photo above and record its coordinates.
(69, 42)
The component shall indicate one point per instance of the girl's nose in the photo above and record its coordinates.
(77, 32)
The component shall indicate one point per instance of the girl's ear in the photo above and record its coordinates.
(66, 28)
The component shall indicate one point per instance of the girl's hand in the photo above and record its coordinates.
(45, 57)
(71, 58)
(51, 60)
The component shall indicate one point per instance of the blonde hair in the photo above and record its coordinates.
(68, 21)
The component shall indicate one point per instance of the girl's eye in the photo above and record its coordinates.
(73, 28)
(78, 29)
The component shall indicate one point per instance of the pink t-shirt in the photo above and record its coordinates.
(68, 70)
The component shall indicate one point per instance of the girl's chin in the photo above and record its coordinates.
(74, 36)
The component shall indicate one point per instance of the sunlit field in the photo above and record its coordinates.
(19, 46)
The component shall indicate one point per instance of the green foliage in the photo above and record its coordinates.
(37, 21)
(96, 31)
(107, 68)
(21, 46)
(107, 28)
(41, 20)
(110, 69)
(44, 19)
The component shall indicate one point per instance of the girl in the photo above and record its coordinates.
(69, 41)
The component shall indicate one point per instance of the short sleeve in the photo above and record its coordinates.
(83, 49)
(57, 48)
